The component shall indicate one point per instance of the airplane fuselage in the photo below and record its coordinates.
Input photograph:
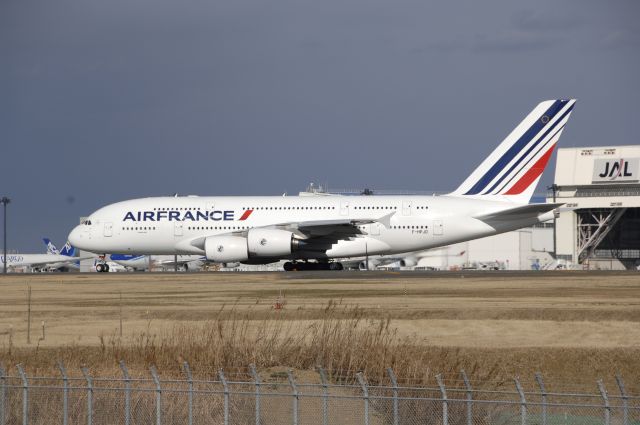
(388, 224)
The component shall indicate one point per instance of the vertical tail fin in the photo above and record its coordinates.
(68, 250)
(514, 168)
(51, 248)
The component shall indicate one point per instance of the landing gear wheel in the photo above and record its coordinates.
(106, 268)
(99, 268)
(288, 266)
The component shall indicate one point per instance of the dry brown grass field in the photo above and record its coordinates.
(574, 327)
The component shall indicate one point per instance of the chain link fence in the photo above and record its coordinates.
(283, 399)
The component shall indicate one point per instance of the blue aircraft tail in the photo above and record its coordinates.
(68, 250)
(51, 248)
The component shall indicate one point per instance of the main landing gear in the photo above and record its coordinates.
(102, 267)
(303, 266)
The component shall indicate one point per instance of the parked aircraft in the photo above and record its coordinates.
(52, 260)
(312, 231)
(144, 262)
(410, 259)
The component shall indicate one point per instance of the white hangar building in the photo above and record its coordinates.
(525, 249)
(599, 225)
(597, 228)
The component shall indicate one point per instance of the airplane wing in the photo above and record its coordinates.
(319, 234)
(331, 231)
(516, 214)
(43, 262)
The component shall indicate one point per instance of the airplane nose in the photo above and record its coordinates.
(77, 237)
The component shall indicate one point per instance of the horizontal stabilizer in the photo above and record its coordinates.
(517, 213)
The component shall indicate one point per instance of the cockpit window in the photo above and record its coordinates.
(87, 222)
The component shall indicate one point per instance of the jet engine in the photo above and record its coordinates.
(266, 243)
(226, 249)
(408, 261)
(373, 263)
(271, 243)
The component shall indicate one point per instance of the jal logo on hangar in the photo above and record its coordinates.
(616, 170)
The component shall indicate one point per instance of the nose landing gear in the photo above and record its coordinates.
(102, 266)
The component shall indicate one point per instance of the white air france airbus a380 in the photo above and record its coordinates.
(312, 231)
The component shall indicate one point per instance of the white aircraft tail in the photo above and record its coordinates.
(512, 171)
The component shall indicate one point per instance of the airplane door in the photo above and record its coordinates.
(344, 207)
(438, 228)
(177, 228)
(406, 207)
(374, 229)
(108, 229)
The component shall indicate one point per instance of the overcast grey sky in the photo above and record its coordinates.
(102, 101)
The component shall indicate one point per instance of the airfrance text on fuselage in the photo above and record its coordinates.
(180, 215)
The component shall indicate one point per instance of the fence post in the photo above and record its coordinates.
(294, 393)
(85, 372)
(607, 406)
(523, 402)
(187, 371)
(467, 386)
(25, 395)
(365, 396)
(325, 395)
(543, 393)
(127, 393)
(256, 380)
(3, 379)
(65, 394)
(445, 406)
(226, 396)
(156, 380)
(625, 400)
(394, 383)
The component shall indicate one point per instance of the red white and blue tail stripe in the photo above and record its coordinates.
(513, 170)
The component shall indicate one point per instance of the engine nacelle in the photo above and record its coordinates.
(226, 249)
(362, 265)
(270, 242)
(408, 262)
(549, 215)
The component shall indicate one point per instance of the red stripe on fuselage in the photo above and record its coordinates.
(246, 215)
(531, 175)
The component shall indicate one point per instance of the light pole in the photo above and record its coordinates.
(4, 202)
(554, 188)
